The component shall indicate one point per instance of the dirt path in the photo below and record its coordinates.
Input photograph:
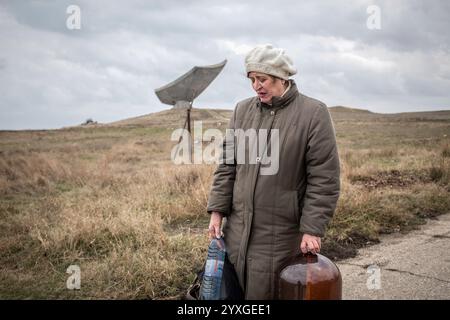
(411, 266)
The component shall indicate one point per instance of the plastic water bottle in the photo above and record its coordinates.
(212, 277)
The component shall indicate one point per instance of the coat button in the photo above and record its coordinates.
(258, 159)
(272, 113)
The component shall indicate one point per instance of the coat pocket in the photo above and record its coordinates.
(287, 209)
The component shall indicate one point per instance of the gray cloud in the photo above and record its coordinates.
(52, 76)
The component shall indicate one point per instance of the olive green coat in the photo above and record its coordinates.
(266, 214)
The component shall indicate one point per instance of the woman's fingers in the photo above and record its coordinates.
(214, 226)
(303, 247)
(214, 231)
(313, 246)
(310, 244)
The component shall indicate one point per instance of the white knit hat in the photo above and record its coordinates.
(267, 59)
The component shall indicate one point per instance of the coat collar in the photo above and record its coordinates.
(280, 102)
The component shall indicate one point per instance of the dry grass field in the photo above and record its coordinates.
(108, 199)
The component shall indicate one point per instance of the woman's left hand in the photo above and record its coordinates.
(310, 243)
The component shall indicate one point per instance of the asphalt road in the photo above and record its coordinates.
(411, 266)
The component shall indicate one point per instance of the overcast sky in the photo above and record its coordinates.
(52, 76)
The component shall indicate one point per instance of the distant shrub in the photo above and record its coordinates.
(436, 173)
(446, 151)
(89, 121)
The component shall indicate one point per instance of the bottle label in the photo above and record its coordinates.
(213, 268)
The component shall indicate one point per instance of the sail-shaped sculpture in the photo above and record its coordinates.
(182, 91)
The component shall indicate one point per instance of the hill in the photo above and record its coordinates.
(176, 117)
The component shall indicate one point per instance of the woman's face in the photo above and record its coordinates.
(266, 86)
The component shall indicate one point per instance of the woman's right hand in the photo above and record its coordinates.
(215, 224)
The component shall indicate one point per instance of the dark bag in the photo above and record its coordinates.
(230, 288)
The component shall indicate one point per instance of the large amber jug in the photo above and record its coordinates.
(309, 277)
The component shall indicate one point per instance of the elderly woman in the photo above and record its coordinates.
(271, 217)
